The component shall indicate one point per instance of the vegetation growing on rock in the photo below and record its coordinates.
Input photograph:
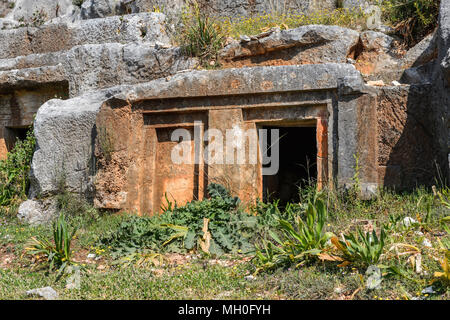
(14, 179)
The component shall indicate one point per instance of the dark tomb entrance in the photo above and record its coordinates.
(298, 168)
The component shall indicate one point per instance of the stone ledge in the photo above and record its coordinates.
(95, 66)
(245, 81)
(31, 77)
(142, 27)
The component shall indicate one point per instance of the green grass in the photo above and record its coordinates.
(203, 36)
(205, 278)
(289, 20)
(192, 282)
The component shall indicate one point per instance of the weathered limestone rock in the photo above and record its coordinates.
(91, 67)
(171, 8)
(444, 27)
(375, 59)
(47, 293)
(355, 3)
(129, 89)
(422, 74)
(444, 40)
(376, 41)
(26, 10)
(92, 9)
(405, 127)
(23, 78)
(101, 61)
(441, 104)
(37, 212)
(8, 24)
(143, 27)
(191, 84)
(422, 53)
(378, 59)
(227, 8)
(304, 45)
(65, 133)
(61, 60)
(445, 65)
(5, 7)
(238, 8)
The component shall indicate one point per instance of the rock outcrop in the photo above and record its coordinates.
(107, 93)
(60, 60)
(310, 44)
(441, 102)
(43, 10)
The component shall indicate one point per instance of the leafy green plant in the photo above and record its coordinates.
(141, 259)
(134, 234)
(59, 252)
(445, 241)
(292, 242)
(444, 197)
(365, 248)
(268, 215)
(14, 180)
(230, 228)
(444, 275)
(179, 229)
(394, 222)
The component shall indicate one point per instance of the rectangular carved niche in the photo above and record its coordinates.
(178, 171)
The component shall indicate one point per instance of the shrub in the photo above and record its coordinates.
(412, 19)
(199, 36)
(14, 180)
(361, 248)
(179, 229)
(297, 240)
(350, 18)
(58, 253)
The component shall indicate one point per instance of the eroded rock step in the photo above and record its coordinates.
(141, 27)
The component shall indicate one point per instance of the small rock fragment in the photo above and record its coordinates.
(408, 221)
(377, 83)
(419, 264)
(74, 281)
(428, 290)
(426, 243)
(374, 277)
(48, 293)
(245, 38)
